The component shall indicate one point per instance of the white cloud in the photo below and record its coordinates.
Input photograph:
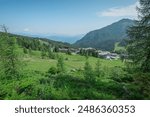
(26, 29)
(120, 11)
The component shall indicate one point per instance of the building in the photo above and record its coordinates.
(109, 56)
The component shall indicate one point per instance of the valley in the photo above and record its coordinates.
(97, 67)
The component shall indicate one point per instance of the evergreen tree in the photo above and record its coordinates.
(51, 55)
(139, 43)
(88, 72)
(98, 69)
(25, 50)
(60, 64)
(9, 56)
(43, 54)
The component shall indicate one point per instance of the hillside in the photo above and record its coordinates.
(36, 43)
(105, 38)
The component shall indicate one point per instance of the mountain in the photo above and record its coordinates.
(65, 38)
(105, 38)
(34, 38)
(55, 37)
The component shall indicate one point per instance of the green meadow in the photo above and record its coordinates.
(39, 82)
(35, 62)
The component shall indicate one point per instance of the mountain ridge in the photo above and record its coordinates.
(55, 37)
(106, 37)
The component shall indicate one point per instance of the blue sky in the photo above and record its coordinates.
(65, 17)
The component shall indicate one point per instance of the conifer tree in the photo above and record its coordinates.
(25, 50)
(43, 54)
(88, 72)
(60, 64)
(9, 56)
(98, 69)
(139, 42)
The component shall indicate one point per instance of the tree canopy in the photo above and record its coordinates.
(139, 43)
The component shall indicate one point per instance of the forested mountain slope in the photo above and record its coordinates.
(35, 43)
(105, 38)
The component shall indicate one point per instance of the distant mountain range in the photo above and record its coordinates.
(105, 38)
(65, 38)
(55, 37)
(30, 38)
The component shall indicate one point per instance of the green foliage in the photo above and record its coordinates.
(10, 64)
(51, 54)
(69, 87)
(117, 74)
(30, 51)
(25, 50)
(89, 73)
(43, 54)
(52, 71)
(139, 55)
(137, 86)
(37, 83)
(60, 64)
(119, 49)
(98, 69)
(142, 80)
(37, 44)
(56, 49)
(139, 43)
(88, 52)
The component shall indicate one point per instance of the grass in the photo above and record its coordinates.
(35, 83)
(118, 48)
(36, 63)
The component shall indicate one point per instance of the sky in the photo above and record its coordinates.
(63, 17)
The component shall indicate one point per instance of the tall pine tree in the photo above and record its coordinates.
(10, 65)
(139, 43)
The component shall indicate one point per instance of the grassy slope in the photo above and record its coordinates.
(34, 84)
(118, 48)
(36, 63)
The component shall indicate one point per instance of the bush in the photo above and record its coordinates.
(52, 71)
